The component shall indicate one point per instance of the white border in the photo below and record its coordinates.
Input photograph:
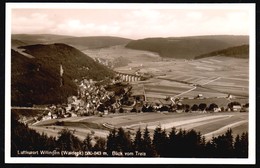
(252, 117)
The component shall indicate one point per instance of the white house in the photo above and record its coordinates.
(236, 108)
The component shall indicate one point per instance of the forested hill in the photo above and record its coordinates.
(236, 52)
(93, 42)
(187, 47)
(37, 80)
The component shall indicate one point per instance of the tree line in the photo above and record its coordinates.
(190, 108)
(175, 144)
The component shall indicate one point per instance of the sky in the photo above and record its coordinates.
(133, 23)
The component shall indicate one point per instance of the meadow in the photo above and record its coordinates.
(209, 124)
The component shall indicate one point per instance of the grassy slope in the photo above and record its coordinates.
(236, 52)
(186, 47)
(16, 43)
(30, 86)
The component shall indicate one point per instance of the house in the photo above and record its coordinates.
(54, 116)
(216, 110)
(179, 111)
(236, 108)
(199, 96)
(229, 96)
(105, 112)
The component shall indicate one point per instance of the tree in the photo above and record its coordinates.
(202, 106)
(180, 106)
(101, 108)
(133, 110)
(121, 110)
(224, 144)
(192, 142)
(164, 145)
(186, 108)
(246, 105)
(147, 144)
(150, 109)
(138, 141)
(159, 141)
(123, 140)
(210, 149)
(67, 141)
(111, 141)
(180, 143)
(231, 104)
(100, 144)
(241, 146)
(244, 144)
(87, 145)
(171, 150)
(195, 107)
(212, 106)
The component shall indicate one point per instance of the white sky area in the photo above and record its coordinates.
(130, 23)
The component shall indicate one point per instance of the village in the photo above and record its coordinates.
(121, 96)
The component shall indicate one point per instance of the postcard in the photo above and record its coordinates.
(130, 83)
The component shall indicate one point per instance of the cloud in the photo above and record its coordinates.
(131, 23)
(33, 23)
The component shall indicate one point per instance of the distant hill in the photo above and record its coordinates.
(236, 52)
(187, 47)
(80, 43)
(17, 43)
(37, 81)
(83, 43)
(31, 39)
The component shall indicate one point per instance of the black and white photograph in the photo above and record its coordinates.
(130, 83)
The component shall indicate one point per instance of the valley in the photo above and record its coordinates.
(171, 82)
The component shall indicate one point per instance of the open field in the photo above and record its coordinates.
(209, 124)
(217, 76)
(180, 78)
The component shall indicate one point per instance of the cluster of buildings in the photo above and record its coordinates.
(92, 99)
(104, 62)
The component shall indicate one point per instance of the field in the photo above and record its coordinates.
(211, 77)
(210, 124)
